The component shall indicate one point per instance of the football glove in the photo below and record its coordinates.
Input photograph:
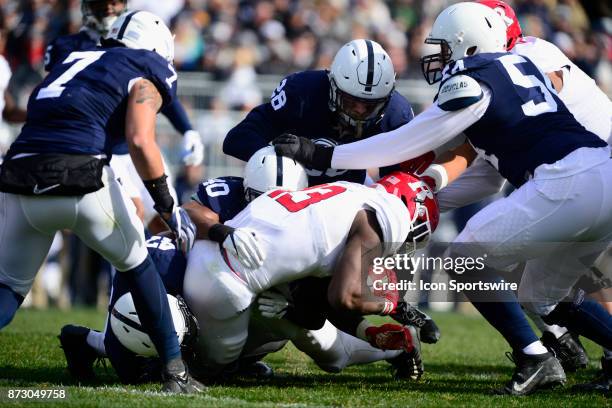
(390, 336)
(183, 228)
(407, 314)
(193, 149)
(272, 305)
(242, 243)
(304, 150)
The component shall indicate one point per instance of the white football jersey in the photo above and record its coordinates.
(589, 104)
(303, 232)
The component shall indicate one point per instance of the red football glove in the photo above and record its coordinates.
(390, 336)
(418, 164)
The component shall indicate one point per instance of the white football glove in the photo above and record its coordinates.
(243, 244)
(193, 149)
(272, 305)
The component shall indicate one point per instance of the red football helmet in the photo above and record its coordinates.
(421, 202)
(513, 32)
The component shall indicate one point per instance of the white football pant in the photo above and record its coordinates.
(549, 222)
(104, 220)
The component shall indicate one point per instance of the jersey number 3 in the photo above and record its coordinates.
(83, 60)
(298, 200)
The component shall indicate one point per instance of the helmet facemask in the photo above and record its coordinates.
(97, 17)
(250, 194)
(432, 65)
(420, 228)
(355, 114)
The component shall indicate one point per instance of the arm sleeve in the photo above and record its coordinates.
(479, 181)
(255, 131)
(176, 114)
(428, 130)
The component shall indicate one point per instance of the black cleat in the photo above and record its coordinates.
(533, 372)
(409, 315)
(568, 350)
(181, 383)
(409, 365)
(80, 356)
(601, 383)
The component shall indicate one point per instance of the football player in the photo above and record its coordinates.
(319, 231)
(218, 200)
(515, 120)
(355, 99)
(56, 174)
(329, 107)
(591, 108)
(98, 17)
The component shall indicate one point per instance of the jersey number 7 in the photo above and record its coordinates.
(83, 60)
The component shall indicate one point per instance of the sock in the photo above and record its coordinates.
(558, 331)
(535, 348)
(333, 350)
(95, 339)
(500, 308)
(9, 303)
(585, 317)
(510, 322)
(151, 302)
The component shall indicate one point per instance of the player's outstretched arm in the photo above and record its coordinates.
(143, 104)
(362, 246)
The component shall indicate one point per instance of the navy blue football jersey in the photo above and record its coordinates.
(223, 195)
(62, 46)
(169, 261)
(300, 105)
(87, 39)
(80, 107)
(526, 124)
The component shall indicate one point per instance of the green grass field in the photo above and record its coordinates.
(460, 371)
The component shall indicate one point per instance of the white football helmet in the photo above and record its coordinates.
(461, 30)
(100, 16)
(266, 170)
(125, 324)
(143, 31)
(361, 80)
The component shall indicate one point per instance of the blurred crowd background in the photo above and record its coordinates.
(231, 54)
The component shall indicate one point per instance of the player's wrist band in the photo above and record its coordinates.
(219, 232)
(439, 174)
(160, 193)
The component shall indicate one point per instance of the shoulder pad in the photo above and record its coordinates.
(458, 92)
